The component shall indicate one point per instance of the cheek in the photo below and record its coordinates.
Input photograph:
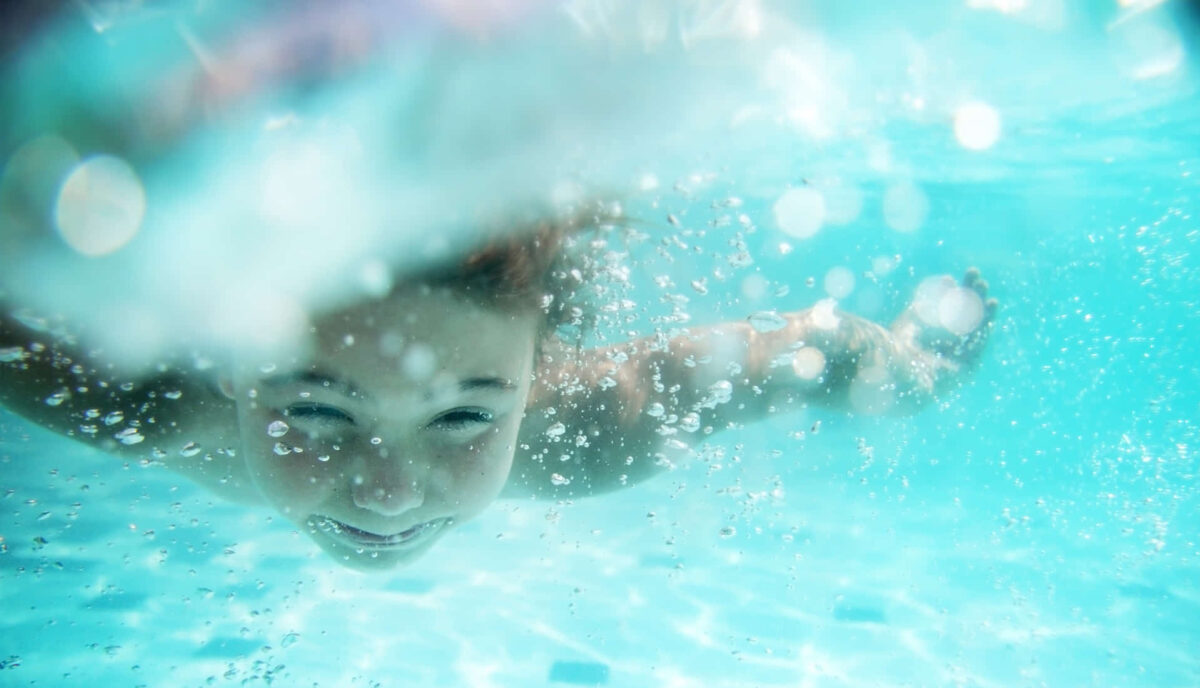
(294, 481)
(480, 475)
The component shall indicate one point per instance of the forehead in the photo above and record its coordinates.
(412, 330)
(409, 311)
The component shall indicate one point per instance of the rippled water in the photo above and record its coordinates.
(1039, 528)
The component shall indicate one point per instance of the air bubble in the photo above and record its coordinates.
(282, 449)
(190, 449)
(11, 354)
(719, 392)
(767, 321)
(559, 479)
(129, 436)
(57, 398)
(655, 410)
(556, 430)
(690, 422)
(277, 428)
(114, 418)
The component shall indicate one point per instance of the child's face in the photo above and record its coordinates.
(399, 423)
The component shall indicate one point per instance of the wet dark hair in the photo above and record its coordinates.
(537, 267)
(513, 270)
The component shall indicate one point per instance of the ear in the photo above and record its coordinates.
(225, 384)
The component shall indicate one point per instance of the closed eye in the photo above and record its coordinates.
(321, 413)
(463, 419)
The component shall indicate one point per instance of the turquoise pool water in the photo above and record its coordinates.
(1041, 527)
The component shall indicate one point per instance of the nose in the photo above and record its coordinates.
(387, 488)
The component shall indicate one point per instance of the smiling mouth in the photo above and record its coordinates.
(365, 539)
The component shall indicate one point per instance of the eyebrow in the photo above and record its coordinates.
(320, 379)
(497, 384)
(313, 377)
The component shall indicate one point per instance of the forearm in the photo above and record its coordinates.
(48, 379)
(839, 360)
(821, 356)
(644, 403)
(54, 380)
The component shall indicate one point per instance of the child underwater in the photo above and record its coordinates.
(409, 414)
(403, 415)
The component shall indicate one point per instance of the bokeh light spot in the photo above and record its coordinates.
(905, 207)
(843, 200)
(800, 212)
(960, 310)
(35, 172)
(808, 363)
(754, 287)
(976, 125)
(100, 206)
(839, 282)
(872, 391)
(824, 315)
(882, 265)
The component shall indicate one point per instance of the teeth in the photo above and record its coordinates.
(365, 538)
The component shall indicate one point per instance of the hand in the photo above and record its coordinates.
(948, 319)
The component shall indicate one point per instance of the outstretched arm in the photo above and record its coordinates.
(631, 408)
(172, 415)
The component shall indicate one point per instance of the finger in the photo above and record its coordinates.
(971, 277)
